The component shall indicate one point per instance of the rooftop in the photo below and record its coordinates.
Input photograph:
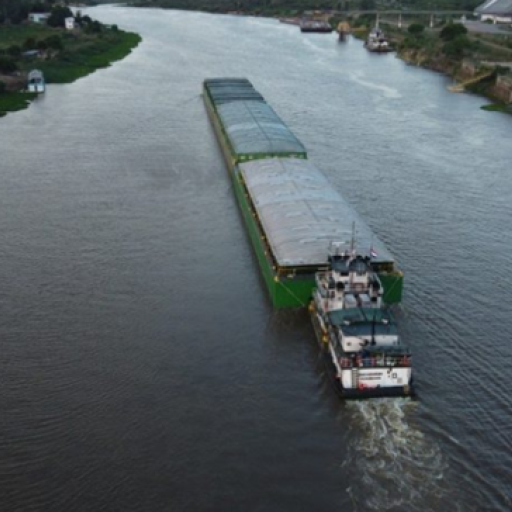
(495, 7)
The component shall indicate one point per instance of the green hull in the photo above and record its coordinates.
(285, 292)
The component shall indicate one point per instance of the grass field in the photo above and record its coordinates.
(17, 34)
(10, 102)
(82, 54)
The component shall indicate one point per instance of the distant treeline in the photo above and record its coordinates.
(16, 11)
(298, 6)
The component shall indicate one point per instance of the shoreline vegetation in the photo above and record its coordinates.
(63, 55)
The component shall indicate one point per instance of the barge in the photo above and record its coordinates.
(291, 212)
(319, 26)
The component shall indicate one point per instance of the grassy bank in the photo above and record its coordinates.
(86, 55)
(498, 107)
(451, 50)
(13, 101)
(64, 56)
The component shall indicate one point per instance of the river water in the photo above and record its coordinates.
(142, 366)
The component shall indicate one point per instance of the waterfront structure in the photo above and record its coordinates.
(291, 212)
(70, 23)
(497, 11)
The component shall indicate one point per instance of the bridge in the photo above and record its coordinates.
(432, 13)
(435, 12)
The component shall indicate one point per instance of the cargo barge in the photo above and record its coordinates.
(319, 26)
(291, 212)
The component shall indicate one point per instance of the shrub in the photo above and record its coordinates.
(457, 47)
(54, 42)
(416, 29)
(3, 87)
(58, 16)
(29, 44)
(8, 64)
(452, 31)
(14, 51)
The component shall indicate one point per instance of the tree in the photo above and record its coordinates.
(452, 31)
(367, 5)
(456, 48)
(14, 51)
(29, 44)
(54, 43)
(58, 16)
(7, 65)
(416, 29)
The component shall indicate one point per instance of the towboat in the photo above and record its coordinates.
(377, 42)
(364, 354)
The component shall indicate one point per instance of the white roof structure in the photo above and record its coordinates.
(302, 214)
(496, 7)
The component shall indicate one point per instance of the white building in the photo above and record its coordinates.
(70, 23)
(498, 11)
(38, 17)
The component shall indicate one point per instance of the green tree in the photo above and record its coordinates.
(416, 29)
(452, 31)
(14, 51)
(457, 47)
(29, 44)
(367, 5)
(7, 64)
(58, 16)
(54, 42)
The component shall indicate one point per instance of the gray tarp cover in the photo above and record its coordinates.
(302, 214)
(254, 127)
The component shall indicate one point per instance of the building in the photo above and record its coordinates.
(38, 17)
(70, 23)
(497, 11)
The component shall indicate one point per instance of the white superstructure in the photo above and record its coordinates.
(359, 337)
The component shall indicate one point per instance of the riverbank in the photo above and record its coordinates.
(62, 55)
(478, 63)
(14, 101)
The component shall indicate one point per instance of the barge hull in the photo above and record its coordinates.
(284, 291)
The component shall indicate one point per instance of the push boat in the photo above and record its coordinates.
(362, 350)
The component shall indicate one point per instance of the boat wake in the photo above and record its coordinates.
(397, 466)
(387, 92)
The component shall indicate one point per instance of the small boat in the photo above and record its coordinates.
(377, 42)
(364, 354)
(321, 26)
(36, 81)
